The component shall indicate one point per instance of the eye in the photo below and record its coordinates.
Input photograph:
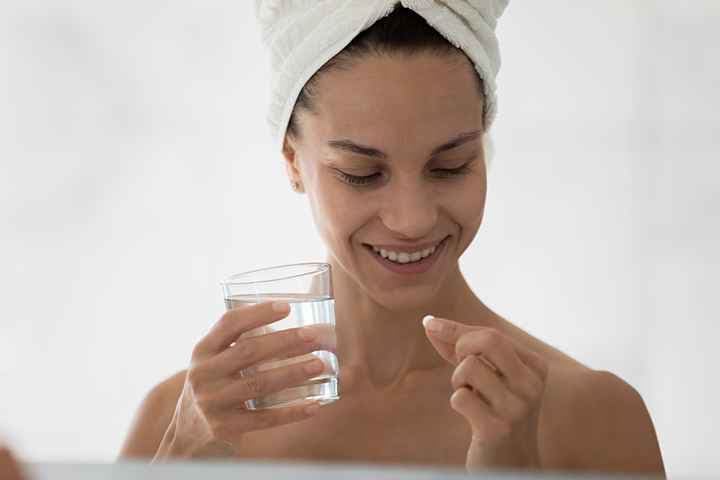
(368, 179)
(453, 172)
(355, 179)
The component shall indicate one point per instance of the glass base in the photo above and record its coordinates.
(323, 389)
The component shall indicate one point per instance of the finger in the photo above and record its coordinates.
(494, 347)
(9, 467)
(475, 373)
(242, 421)
(446, 350)
(445, 330)
(236, 321)
(288, 343)
(484, 425)
(273, 380)
(502, 353)
(538, 364)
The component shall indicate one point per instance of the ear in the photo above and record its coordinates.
(292, 165)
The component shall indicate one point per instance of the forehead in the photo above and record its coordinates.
(395, 97)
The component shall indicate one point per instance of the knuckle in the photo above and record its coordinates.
(489, 340)
(459, 399)
(467, 365)
(254, 385)
(485, 340)
(292, 339)
(457, 378)
(464, 345)
(246, 351)
(491, 335)
(474, 361)
(459, 348)
(462, 372)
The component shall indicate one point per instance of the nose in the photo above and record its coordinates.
(410, 210)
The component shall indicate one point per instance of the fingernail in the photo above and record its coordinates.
(431, 323)
(281, 307)
(312, 409)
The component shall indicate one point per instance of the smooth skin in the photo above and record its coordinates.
(209, 420)
(10, 468)
(480, 394)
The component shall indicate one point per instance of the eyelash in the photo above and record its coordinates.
(366, 180)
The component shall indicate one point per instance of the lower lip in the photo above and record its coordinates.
(415, 267)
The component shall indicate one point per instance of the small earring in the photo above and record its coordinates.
(296, 185)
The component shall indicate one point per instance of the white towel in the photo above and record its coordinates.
(302, 35)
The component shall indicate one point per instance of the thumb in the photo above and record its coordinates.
(444, 346)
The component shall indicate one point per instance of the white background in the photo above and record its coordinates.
(136, 172)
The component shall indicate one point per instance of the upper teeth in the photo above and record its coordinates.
(402, 257)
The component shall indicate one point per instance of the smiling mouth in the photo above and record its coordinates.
(406, 258)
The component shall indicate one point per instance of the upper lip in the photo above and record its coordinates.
(406, 248)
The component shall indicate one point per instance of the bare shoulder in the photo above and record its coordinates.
(595, 421)
(152, 418)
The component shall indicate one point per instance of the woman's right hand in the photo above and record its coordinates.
(210, 418)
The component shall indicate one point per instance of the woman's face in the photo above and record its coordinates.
(405, 123)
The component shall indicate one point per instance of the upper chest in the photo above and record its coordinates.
(414, 427)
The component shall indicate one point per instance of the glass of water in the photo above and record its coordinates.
(307, 288)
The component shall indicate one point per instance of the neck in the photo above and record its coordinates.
(382, 346)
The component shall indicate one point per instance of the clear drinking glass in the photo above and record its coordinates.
(307, 287)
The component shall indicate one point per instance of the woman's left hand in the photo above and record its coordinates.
(499, 389)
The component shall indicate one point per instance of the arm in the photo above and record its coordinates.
(152, 419)
(616, 431)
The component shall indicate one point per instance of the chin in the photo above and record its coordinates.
(409, 302)
(410, 297)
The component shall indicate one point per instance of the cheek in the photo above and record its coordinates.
(338, 214)
(466, 210)
(466, 205)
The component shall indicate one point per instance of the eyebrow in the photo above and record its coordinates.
(366, 151)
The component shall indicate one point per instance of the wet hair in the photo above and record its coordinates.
(401, 32)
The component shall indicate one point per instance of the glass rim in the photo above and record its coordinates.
(320, 267)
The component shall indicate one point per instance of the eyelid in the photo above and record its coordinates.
(466, 158)
(369, 180)
(356, 180)
(464, 168)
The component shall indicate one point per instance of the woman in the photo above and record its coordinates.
(387, 139)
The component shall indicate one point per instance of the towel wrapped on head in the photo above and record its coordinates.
(302, 35)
